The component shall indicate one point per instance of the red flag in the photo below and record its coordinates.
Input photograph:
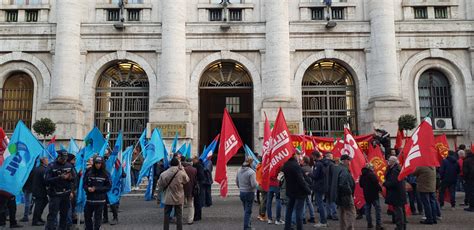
(3, 145)
(53, 140)
(229, 144)
(338, 147)
(266, 155)
(281, 149)
(422, 150)
(377, 160)
(357, 163)
(472, 148)
(399, 140)
(442, 147)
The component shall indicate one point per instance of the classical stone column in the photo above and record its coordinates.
(173, 52)
(66, 82)
(382, 66)
(276, 68)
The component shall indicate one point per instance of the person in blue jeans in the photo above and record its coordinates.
(274, 191)
(370, 185)
(296, 190)
(247, 183)
(320, 186)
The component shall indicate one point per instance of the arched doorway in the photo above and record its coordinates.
(329, 100)
(121, 101)
(16, 101)
(434, 94)
(225, 84)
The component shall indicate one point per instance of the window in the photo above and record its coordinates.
(113, 15)
(31, 15)
(230, 1)
(232, 104)
(235, 14)
(16, 101)
(25, 2)
(317, 13)
(441, 12)
(337, 13)
(12, 15)
(133, 14)
(421, 12)
(135, 1)
(434, 93)
(215, 15)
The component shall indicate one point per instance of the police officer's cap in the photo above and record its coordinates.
(98, 159)
(62, 153)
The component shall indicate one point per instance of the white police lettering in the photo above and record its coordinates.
(415, 149)
(230, 143)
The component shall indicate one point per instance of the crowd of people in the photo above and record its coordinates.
(326, 182)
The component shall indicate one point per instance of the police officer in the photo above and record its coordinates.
(96, 183)
(60, 177)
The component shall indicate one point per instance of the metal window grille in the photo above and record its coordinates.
(317, 13)
(337, 13)
(226, 75)
(113, 15)
(135, 2)
(215, 14)
(122, 100)
(421, 12)
(329, 100)
(134, 14)
(434, 93)
(12, 15)
(25, 2)
(16, 102)
(232, 104)
(441, 12)
(31, 15)
(235, 14)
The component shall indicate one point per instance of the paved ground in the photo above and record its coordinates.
(228, 214)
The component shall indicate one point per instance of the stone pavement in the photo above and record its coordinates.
(228, 215)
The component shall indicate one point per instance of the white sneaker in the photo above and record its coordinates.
(270, 221)
(439, 218)
(279, 222)
(320, 225)
(423, 218)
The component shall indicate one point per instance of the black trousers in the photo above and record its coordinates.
(178, 211)
(95, 210)
(57, 204)
(40, 204)
(197, 207)
(10, 205)
(470, 193)
(400, 218)
(113, 208)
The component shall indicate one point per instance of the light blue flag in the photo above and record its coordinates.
(51, 153)
(94, 141)
(73, 148)
(188, 151)
(175, 143)
(22, 152)
(149, 187)
(81, 193)
(62, 147)
(183, 149)
(115, 152)
(116, 179)
(166, 158)
(249, 154)
(154, 153)
(104, 148)
(209, 151)
(143, 142)
(127, 162)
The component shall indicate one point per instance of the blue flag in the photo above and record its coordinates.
(94, 141)
(51, 153)
(188, 151)
(127, 162)
(149, 187)
(115, 152)
(81, 193)
(23, 150)
(104, 147)
(72, 148)
(116, 179)
(143, 142)
(62, 147)
(183, 149)
(209, 151)
(175, 143)
(249, 154)
(166, 158)
(154, 153)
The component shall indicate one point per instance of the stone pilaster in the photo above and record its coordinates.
(173, 52)
(276, 67)
(382, 65)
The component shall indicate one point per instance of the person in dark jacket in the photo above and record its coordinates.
(207, 183)
(189, 190)
(320, 186)
(96, 184)
(396, 193)
(27, 196)
(40, 194)
(370, 185)
(60, 178)
(296, 190)
(345, 187)
(449, 173)
(468, 175)
(8, 203)
(199, 199)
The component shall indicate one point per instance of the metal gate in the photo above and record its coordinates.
(16, 102)
(328, 99)
(122, 98)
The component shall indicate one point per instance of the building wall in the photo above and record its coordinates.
(443, 44)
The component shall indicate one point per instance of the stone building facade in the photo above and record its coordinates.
(175, 64)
